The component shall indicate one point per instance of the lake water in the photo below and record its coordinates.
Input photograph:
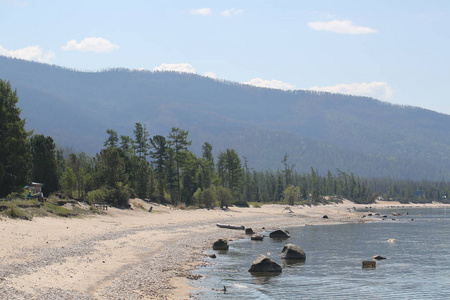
(417, 266)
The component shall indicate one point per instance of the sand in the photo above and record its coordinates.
(134, 254)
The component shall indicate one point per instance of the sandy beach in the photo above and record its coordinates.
(134, 254)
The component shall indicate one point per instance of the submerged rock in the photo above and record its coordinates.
(378, 257)
(264, 264)
(291, 251)
(257, 237)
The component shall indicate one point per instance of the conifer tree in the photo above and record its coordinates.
(14, 148)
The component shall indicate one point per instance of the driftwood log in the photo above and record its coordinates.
(239, 227)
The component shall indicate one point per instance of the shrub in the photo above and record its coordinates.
(255, 204)
(58, 210)
(117, 196)
(17, 213)
(97, 196)
(241, 203)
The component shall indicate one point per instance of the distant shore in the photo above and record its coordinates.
(135, 254)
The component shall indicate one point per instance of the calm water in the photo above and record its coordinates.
(417, 266)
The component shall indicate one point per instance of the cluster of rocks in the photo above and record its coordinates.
(263, 264)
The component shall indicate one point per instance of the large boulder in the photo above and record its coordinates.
(291, 251)
(221, 244)
(279, 233)
(264, 264)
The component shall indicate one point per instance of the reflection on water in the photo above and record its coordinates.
(417, 266)
(289, 263)
(263, 278)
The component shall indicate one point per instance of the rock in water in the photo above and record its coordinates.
(257, 237)
(221, 244)
(378, 257)
(249, 231)
(291, 251)
(279, 233)
(264, 264)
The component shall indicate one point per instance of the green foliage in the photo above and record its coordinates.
(117, 196)
(58, 210)
(224, 196)
(44, 167)
(255, 204)
(230, 170)
(291, 194)
(112, 139)
(178, 143)
(97, 196)
(15, 212)
(241, 203)
(160, 156)
(110, 167)
(68, 182)
(209, 197)
(14, 148)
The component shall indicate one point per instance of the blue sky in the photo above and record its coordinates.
(395, 51)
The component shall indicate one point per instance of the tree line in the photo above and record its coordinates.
(164, 169)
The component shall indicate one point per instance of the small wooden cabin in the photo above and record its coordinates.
(34, 187)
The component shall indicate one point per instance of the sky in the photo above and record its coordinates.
(395, 51)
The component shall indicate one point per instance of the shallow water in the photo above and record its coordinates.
(417, 266)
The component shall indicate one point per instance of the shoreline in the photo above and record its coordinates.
(135, 254)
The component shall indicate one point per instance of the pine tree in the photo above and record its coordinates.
(44, 162)
(14, 149)
(178, 142)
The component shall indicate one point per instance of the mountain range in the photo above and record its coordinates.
(326, 131)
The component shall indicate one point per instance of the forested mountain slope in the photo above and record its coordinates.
(323, 130)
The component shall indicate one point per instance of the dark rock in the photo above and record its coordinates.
(221, 244)
(291, 251)
(212, 255)
(257, 237)
(279, 233)
(249, 231)
(325, 217)
(378, 257)
(264, 264)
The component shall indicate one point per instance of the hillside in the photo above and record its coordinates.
(327, 131)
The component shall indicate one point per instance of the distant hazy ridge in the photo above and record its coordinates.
(323, 130)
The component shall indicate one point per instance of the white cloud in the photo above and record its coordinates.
(377, 90)
(91, 44)
(273, 84)
(232, 12)
(201, 11)
(182, 68)
(344, 26)
(210, 75)
(34, 53)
